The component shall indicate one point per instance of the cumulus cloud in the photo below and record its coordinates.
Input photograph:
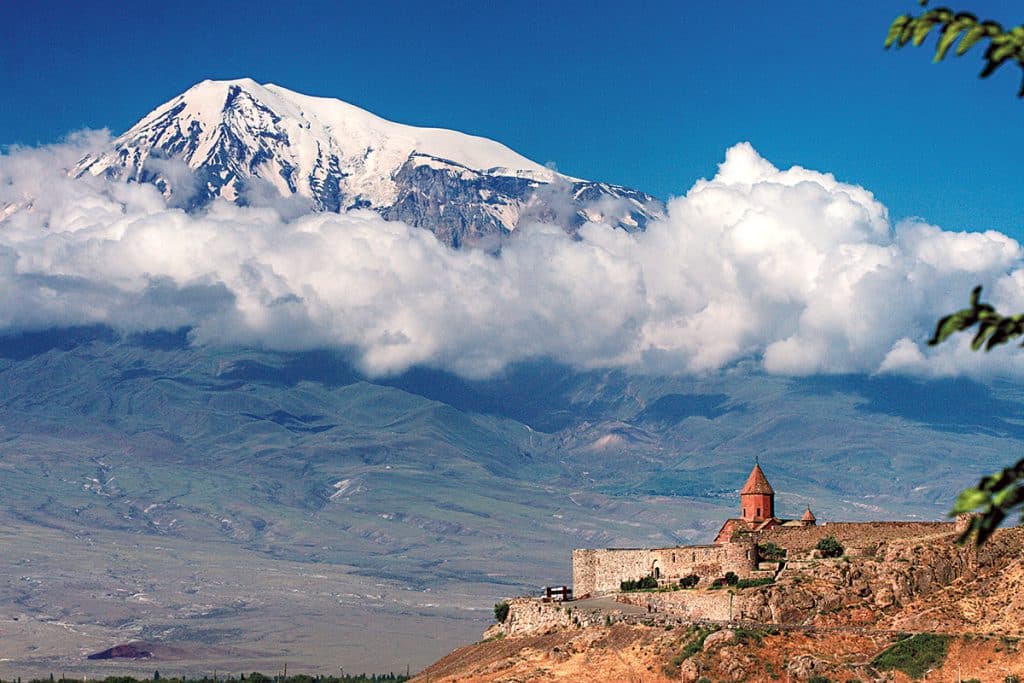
(792, 268)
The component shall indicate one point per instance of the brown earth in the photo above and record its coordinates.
(640, 653)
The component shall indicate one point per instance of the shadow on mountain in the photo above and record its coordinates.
(536, 394)
(953, 404)
(24, 345)
(325, 367)
(674, 408)
(160, 340)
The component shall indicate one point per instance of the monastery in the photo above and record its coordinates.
(734, 550)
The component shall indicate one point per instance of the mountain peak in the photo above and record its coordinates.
(235, 134)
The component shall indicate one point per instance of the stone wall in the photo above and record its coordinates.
(695, 605)
(859, 538)
(595, 572)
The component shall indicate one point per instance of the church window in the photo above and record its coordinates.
(758, 512)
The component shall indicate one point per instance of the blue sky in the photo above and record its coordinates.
(647, 94)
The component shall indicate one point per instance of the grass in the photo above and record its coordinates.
(914, 655)
(692, 647)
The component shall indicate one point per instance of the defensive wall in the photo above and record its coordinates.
(595, 572)
(858, 538)
(601, 571)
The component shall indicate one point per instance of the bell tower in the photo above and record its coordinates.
(757, 498)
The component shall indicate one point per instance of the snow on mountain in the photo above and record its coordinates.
(234, 135)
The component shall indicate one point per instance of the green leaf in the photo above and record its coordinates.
(975, 296)
(1001, 498)
(973, 35)
(970, 499)
(896, 29)
(984, 330)
(921, 30)
(949, 37)
(954, 322)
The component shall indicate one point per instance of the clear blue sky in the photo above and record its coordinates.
(647, 94)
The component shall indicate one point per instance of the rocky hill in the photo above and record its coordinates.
(888, 614)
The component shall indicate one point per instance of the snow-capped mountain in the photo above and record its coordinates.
(239, 138)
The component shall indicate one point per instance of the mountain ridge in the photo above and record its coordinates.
(223, 139)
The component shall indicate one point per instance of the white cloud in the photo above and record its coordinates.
(793, 268)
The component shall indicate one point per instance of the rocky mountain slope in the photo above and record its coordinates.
(245, 142)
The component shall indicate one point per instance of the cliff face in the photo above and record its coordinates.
(858, 590)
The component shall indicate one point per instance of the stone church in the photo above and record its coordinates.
(598, 571)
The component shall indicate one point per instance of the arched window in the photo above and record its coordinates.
(758, 512)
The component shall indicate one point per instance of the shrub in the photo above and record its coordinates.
(692, 647)
(748, 635)
(819, 679)
(914, 655)
(771, 551)
(830, 547)
(689, 581)
(501, 611)
(731, 578)
(646, 583)
(751, 583)
(1011, 679)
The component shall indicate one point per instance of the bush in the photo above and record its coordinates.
(1011, 679)
(646, 583)
(819, 679)
(731, 578)
(771, 551)
(751, 583)
(501, 612)
(692, 647)
(689, 581)
(914, 655)
(830, 547)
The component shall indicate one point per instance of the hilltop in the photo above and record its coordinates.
(827, 618)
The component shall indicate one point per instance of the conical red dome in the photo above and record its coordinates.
(757, 483)
(808, 516)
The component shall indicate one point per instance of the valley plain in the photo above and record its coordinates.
(242, 510)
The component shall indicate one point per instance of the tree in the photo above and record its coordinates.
(997, 494)
(830, 546)
(1004, 45)
(501, 612)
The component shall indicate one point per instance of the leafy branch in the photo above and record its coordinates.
(995, 495)
(1004, 45)
(999, 493)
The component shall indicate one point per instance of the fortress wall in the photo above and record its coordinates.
(688, 604)
(857, 537)
(602, 571)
